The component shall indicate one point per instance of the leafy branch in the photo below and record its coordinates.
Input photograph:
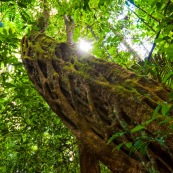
(158, 34)
(143, 11)
(142, 20)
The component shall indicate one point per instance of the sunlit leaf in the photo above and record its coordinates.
(165, 108)
(137, 128)
(168, 76)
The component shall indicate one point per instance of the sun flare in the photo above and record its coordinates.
(85, 45)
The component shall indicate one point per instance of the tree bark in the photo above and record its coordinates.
(88, 161)
(96, 99)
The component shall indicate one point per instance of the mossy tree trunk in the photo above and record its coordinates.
(96, 99)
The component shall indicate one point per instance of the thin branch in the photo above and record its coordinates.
(144, 11)
(96, 38)
(43, 20)
(142, 20)
(93, 33)
(126, 44)
(153, 46)
(69, 22)
(166, 7)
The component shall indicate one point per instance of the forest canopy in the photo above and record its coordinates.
(137, 35)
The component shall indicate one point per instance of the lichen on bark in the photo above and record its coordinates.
(96, 99)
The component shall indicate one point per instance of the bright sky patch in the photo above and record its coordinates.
(85, 45)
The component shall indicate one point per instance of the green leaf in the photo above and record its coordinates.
(119, 146)
(8, 85)
(115, 136)
(165, 108)
(138, 143)
(86, 5)
(25, 16)
(22, 5)
(166, 38)
(153, 3)
(149, 121)
(156, 110)
(93, 3)
(169, 51)
(168, 76)
(158, 5)
(128, 145)
(127, 3)
(137, 128)
(158, 40)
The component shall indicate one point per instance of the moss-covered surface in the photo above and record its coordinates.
(96, 99)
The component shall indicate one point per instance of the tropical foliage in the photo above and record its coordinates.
(135, 34)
